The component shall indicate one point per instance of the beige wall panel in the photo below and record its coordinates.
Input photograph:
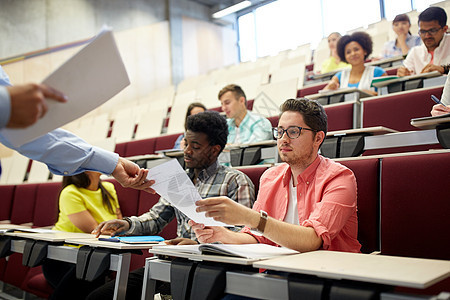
(36, 69)
(206, 47)
(14, 71)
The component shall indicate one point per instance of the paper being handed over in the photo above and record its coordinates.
(173, 184)
(89, 78)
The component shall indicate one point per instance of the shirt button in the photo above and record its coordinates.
(65, 172)
(307, 182)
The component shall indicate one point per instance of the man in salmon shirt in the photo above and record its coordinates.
(307, 203)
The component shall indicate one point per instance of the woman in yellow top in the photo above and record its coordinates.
(333, 62)
(84, 202)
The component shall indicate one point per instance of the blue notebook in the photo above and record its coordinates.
(144, 239)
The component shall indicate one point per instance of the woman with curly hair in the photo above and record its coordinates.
(354, 50)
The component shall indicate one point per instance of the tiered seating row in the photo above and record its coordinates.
(401, 208)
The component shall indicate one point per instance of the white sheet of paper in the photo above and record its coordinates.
(89, 78)
(173, 184)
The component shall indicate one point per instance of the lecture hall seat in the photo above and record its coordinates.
(140, 147)
(367, 178)
(340, 117)
(396, 110)
(46, 205)
(415, 206)
(23, 204)
(165, 142)
(128, 198)
(254, 173)
(6, 201)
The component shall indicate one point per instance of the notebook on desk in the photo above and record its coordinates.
(249, 251)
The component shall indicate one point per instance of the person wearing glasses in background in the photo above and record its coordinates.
(434, 53)
(307, 203)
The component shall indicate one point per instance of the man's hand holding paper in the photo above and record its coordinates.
(173, 184)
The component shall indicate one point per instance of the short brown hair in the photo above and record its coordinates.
(313, 113)
(235, 89)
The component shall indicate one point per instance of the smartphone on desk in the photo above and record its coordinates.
(111, 239)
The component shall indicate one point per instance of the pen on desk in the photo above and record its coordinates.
(435, 99)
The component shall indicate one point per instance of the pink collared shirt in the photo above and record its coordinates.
(326, 201)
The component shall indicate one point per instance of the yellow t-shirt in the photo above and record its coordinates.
(74, 200)
(330, 65)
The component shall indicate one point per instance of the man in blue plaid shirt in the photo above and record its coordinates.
(206, 137)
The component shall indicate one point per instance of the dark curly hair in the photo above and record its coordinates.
(361, 38)
(212, 124)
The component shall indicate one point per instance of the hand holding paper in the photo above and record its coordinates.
(90, 78)
(172, 183)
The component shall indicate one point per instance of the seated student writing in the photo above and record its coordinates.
(434, 53)
(354, 49)
(84, 202)
(444, 108)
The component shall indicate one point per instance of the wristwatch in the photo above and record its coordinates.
(262, 221)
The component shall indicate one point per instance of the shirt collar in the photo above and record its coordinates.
(205, 173)
(244, 120)
(306, 175)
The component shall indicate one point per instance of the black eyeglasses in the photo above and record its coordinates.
(292, 132)
(431, 31)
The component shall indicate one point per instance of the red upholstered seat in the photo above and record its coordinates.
(46, 207)
(36, 283)
(121, 149)
(310, 89)
(23, 203)
(415, 206)
(15, 272)
(274, 120)
(7, 192)
(128, 199)
(254, 173)
(340, 117)
(165, 142)
(396, 110)
(366, 173)
(140, 147)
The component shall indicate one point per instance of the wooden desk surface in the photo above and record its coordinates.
(381, 269)
(376, 130)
